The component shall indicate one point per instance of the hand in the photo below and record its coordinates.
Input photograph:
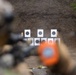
(65, 64)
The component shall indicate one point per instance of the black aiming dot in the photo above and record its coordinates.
(43, 40)
(27, 33)
(40, 33)
(53, 33)
(37, 41)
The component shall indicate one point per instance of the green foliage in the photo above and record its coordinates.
(73, 5)
(7, 72)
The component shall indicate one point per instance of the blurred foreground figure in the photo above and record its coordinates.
(6, 17)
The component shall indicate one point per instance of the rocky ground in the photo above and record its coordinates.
(45, 14)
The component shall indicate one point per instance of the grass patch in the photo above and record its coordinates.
(73, 5)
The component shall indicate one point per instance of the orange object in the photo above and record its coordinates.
(48, 53)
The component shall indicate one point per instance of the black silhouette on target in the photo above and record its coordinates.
(53, 33)
(27, 33)
(40, 33)
(37, 41)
